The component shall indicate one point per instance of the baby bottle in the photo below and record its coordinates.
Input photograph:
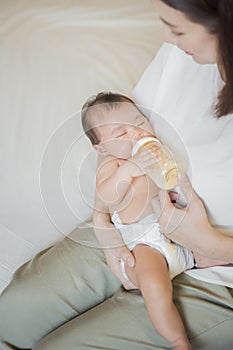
(164, 172)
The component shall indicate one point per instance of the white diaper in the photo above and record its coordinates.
(147, 231)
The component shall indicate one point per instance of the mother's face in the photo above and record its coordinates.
(192, 38)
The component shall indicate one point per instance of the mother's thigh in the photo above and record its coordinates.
(122, 323)
(54, 287)
(207, 311)
(119, 323)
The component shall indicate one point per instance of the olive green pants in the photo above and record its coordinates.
(66, 298)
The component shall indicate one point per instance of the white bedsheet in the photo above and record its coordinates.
(54, 54)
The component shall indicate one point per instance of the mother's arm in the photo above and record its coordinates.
(190, 226)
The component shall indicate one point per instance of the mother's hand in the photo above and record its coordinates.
(187, 226)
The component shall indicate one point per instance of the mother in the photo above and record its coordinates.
(190, 82)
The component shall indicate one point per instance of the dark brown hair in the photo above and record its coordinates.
(217, 17)
(107, 101)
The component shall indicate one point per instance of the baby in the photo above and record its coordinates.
(124, 193)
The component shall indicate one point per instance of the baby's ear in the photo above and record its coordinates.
(100, 149)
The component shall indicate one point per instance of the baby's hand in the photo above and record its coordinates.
(142, 163)
(114, 259)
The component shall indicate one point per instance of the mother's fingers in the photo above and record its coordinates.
(156, 206)
(185, 186)
(168, 214)
(162, 206)
(173, 196)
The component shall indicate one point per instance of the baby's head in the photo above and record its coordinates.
(95, 110)
(108, 118)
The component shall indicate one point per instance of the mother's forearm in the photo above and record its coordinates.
(214, 245)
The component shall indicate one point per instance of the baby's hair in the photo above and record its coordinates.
(105, 100)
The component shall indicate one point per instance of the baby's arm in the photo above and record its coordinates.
(111, 241)
(115, 176)
(114, 179)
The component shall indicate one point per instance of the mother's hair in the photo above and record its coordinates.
(217, 17)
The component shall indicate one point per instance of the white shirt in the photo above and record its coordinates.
(181, 95)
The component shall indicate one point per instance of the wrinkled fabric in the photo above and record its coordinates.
(147, 231)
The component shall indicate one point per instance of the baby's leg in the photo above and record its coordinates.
(150, 275)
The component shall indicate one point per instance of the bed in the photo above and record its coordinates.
(54, 55)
